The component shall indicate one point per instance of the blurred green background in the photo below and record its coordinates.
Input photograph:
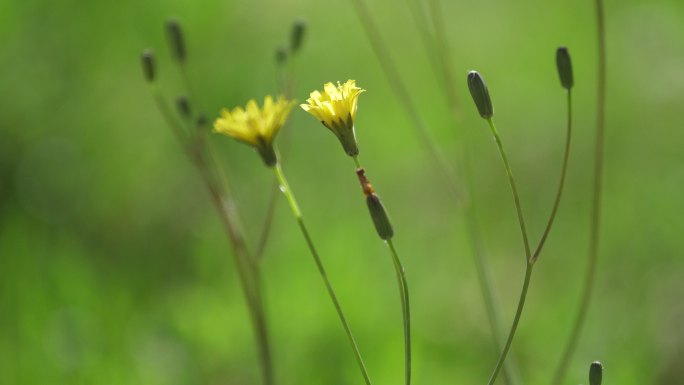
(114, 268)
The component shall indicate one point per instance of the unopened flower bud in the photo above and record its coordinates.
(595, 373)
(377, 211)
(183, 107)
(564, 66)
(281, 56)
(480, 93)
(297, 36)
(148, 65)
(174, 33)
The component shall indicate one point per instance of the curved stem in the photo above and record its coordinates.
(514, 189)
(561, 183)
(528, 264)
(225, 206)
(514, 326)
(406, 312)
(285, 188)
(595, 228)
(400, 89)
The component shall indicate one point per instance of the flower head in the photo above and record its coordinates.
(336, 107)
(256, 126)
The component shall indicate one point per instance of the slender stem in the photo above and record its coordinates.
(406, 311)
(442, 50)
(225, 206)
(356, 161)
(401, 90)
(268, 223)
(391, 72)
(595, 228)
(285, 188)
(404, 295)
(448, 85)
(528, 264)
(514, 326)
(561, 183)
(249, 274)
(514, 189)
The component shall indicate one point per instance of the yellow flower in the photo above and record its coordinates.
(336, 107)
(254, 126)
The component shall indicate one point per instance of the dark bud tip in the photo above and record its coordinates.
(148, 67)
(281, 56)
(183, 107)
(480, 93)
(564, 65)
(595, 373)
(174, 33)
(297, 36)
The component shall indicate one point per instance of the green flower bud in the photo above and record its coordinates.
(377, 211)
(183, 107)
(148, 65)
(595, 373)
(564, 66)
(480, 93)
(281, 56)
(176, 41)
(297, 36)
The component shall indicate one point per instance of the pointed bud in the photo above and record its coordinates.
(377, 211)
(174, 34)
(564, 66)
(595, 373)
(183, 107)
(281, 56)
(480, 93)
(202, 121)
(147, 60)
(297, 36)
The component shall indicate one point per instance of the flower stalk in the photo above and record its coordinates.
(596, 208)
(257, 127)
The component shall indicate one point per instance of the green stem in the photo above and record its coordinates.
(400, 89)
(356, 161)
(406, 312)
(514, 326)
(528, 264)
(514, 189)
(224, 203)
(285, 188)
(595, 228)
(404, 295)
(445, 67)
(561, 183)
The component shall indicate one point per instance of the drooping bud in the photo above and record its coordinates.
(148, 65)
(595, 373)
(377, 211)
(183, 107)
(281, 56)
(297, 36)
(480, 93)
(564, 66)
(174, 33)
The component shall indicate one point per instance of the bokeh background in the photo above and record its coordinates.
(114, 268)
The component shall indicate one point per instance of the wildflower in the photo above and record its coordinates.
(335, 107)
(254, 126)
